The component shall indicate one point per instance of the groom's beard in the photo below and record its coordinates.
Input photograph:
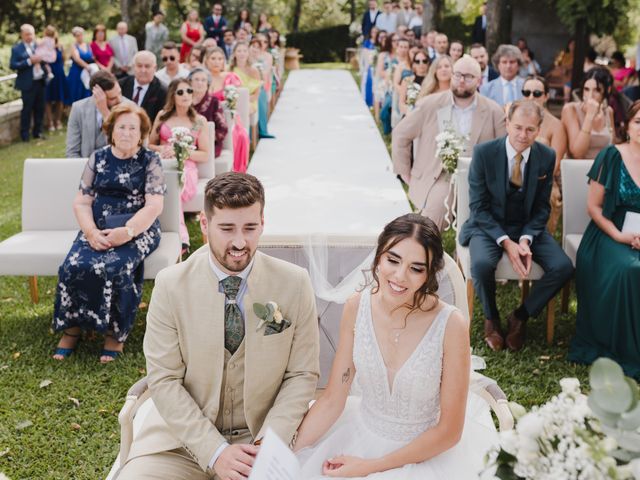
(231, 263)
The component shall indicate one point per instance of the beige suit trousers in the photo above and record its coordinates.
(435, 206)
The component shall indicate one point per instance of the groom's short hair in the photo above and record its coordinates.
(232, 190)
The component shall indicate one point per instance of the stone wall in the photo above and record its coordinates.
(10, 122)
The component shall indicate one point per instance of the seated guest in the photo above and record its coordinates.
(101, 49)
(420, 66)
(178, 111)
(441, 44)
(244, 17)
(214, 63)
(100, 282)
(479, 53)
(529, 64)
(172, 68)
(84, 129)
(509, 186)
(249, 75)
(621, 73)
(467, 111)
(507, 87)
(456, 50)
(143, 88)
(207, 105)
(589, 123)
(608, 263)
(194, 60)
(439, 76)
(262, 59)
(552, 134)
(228, 42)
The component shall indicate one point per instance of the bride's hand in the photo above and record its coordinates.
(345, 466)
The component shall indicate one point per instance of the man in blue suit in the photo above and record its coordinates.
(507, 87)
(510, 182)
(369, 18)
(30, 82)
(215, 24)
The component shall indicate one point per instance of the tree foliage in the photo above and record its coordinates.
(601, 16)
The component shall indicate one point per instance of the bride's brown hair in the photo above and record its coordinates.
(426, 233)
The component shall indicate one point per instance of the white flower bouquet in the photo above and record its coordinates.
(413, 91)
(450, 145)
(231, 97)
(183, 145)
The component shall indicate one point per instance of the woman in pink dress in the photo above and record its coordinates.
(215, 63)
(178, 111)
(102, 51)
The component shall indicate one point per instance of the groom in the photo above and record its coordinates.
(218, 375)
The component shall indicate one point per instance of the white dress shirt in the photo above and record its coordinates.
(143, 91)
(164, 77)
(387, 22)
(463, 117)
(511, 157)
(239, 301)
(38, 72)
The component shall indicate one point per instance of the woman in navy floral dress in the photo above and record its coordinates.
(117, 207)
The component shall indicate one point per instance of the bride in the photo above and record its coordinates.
(411, 353)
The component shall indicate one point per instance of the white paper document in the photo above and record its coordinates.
(275, 461)
(631, 223)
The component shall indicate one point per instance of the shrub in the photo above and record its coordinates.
(323, 45)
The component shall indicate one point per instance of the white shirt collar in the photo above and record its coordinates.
(511, 152)
(472, 105)
(504, 81)
(222, 275)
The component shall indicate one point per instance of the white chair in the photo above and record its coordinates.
(504, 270)
(575, 218)
(49, 225)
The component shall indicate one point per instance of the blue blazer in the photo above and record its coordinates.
(20, 63)
(493, 90)
(367, 24)
(213, 30)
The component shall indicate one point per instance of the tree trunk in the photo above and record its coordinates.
(124, 11)
(498, 24)
(432, 15)
(579, 52)
(47, 12)
(297, 12)
(136, 14)
(352, 11)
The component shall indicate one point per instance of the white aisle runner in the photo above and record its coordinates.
(327, 173)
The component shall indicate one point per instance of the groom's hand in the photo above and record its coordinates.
(235, 461)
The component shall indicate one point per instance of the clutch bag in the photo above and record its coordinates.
(118, 220)
(631, 223)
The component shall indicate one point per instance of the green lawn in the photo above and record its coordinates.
(69, 429)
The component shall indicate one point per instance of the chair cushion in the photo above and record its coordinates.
(224, 163)
(165, 255)
(571, 244)
(504, 270)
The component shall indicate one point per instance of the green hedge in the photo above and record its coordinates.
(323, 45)
(456, 29)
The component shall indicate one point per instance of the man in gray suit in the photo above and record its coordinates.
(124, 48)
(84, 130)
(507, 88)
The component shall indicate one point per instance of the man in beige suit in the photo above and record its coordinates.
(218, 375)
(467, 112)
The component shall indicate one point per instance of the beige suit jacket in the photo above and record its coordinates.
(184, 348)
(423, 124)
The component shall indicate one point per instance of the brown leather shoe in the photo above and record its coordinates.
(516, 334)
(493, 335)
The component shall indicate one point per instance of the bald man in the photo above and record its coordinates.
(468, 113)
(143, 88)
(124, 48)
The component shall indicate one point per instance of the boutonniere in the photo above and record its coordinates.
(270, 315)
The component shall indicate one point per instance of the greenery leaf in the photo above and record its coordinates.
(630, 420)
(260, 310)
(604, 372)
(606, 417)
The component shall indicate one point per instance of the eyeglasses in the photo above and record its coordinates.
(170, 57)
(181, 92)
(423, 62)
(535, 93)
(468, 77)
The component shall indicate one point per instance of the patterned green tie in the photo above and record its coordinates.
(233, 322)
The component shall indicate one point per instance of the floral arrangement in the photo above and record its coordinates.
(231, 97)
(450, 145)
(183, 145)
(413, 91)
(566, 437)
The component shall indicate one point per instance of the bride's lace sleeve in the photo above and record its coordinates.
(155, 184)
(88, 175)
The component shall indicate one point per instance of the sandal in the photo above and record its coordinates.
(105, 352)
(66, 352)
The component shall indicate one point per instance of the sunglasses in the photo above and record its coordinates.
(170, 57)
(535, 93)
(420, 61)
(181, 92)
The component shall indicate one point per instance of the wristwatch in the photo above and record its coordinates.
(130, 231)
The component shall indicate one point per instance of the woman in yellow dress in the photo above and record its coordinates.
(249, 75)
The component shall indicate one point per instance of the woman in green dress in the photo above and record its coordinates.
(608, 260)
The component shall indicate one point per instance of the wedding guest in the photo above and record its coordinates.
(441, 44)
(30, 81)
(621, 73)
(608, 263)
(249, 75)
(428, 42)
(439, 76)
(529, 65)
(261, 59)
(401, 71)
(178, 111)
(214, 63)
(263, 25)
(81, 59)
(467, 112)
(456, 50)
(215, 24)
(156, 34)
(507, 87)
(56, 90)
(415, 24)
(191, 32)
(479, 32)
(510, 182)
(207, 105)
(264, 382)
(100, 281)
(369, 18)
(209, 43)
(124, 47)
(244, 17)
(195, 58)
(143, 88)
(420, 66)
(84, 128)
(228, 42)
(102, 51)
(172, 69)
(406, 425)
(242, 36)
(387, 20)
(589, 123)
(384, 81)
(552, 134)
(405, 14)
(479, 53)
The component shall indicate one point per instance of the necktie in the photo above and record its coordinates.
(233, 322)
(136, 97)
(516, 174)
(510, 93)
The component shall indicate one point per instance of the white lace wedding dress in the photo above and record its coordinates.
(384, 418)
